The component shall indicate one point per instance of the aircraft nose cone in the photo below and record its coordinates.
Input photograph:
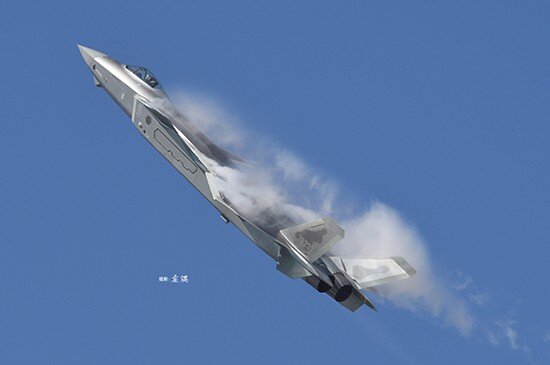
(89, 54)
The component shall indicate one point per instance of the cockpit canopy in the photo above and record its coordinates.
(144, 74)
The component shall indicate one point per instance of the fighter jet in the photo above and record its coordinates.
(301, 250)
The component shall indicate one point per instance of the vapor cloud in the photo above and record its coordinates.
(276, 176)
(381, 232)
(463, 281)
(506, 332)
(273, 176)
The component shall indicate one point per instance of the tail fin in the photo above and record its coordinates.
(372, 272)
(315, 238)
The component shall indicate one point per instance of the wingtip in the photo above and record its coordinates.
(404, 265)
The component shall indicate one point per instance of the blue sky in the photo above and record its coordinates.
(439, 111)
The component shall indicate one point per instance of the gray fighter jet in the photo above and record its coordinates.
(300, 250)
